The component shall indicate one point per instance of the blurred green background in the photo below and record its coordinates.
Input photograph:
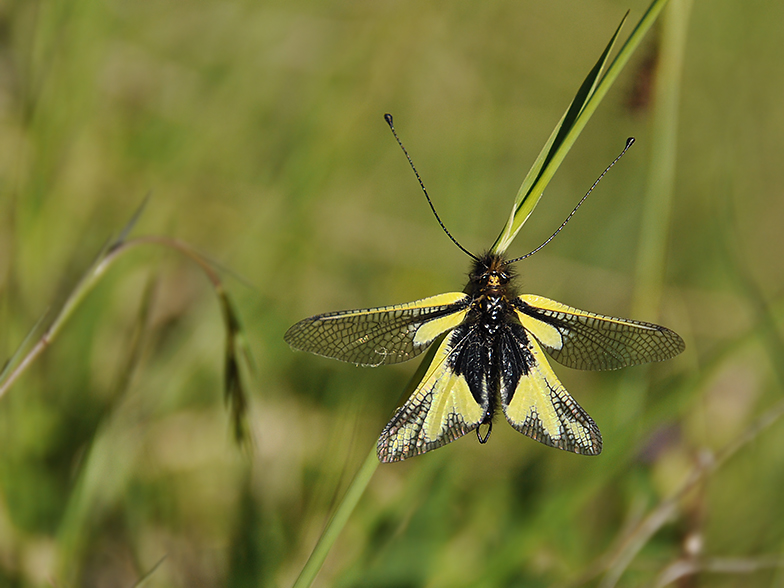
(258, 128)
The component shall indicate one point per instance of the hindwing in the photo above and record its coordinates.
(454, 397)
(534, 400)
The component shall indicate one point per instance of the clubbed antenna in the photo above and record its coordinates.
(388, 118)
(629, 143)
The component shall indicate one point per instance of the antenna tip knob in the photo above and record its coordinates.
(388, 118)
(630, 142)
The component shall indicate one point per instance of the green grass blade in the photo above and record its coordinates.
(338, 521)
(358, 485)
(129, 226)
(532, 187)
(584, 104)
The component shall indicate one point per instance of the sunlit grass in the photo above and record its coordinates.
(258, 128)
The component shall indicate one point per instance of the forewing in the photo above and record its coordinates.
(536, 403)
(588, 341)
(376, 336)
(441, 408)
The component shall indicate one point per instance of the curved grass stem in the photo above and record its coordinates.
(234, 391)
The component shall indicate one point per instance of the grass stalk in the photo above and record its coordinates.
(235, 392)
(657, 205)
(708, 464)
(338, 521)
(657, 202)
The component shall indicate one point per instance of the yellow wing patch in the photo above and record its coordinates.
(451, 398)
(440, 410)
(541, 408)
(431, 329)
(546, 333)
(425, 303)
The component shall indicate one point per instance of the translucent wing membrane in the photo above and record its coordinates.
(587, 341)
(536, 403)
(443, 406)
(485, 359)
(377, 336)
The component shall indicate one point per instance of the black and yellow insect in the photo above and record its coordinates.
(489, 355)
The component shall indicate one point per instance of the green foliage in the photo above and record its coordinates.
(258, 129)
